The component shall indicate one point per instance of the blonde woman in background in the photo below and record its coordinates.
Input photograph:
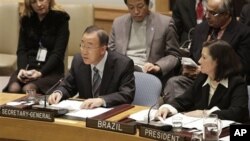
(43, 38)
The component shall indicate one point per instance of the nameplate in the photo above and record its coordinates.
(111, 126)
(27, 114)
(158, 134)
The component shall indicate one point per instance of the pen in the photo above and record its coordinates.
(27, 66)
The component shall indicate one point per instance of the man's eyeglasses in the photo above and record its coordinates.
(82, 47)
(213, 13)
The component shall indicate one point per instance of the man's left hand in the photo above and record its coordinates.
(92, 103)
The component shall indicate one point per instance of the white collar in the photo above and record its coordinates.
(101, 64)
(223, 82)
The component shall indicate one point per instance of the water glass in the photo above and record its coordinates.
(177, 123)
(196, 136)
(211, 127)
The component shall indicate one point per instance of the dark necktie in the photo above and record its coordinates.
(214, 33)
(96, 82)
(199, 10)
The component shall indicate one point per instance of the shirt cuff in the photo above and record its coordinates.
(215, 108)
(170, 108)
(58, 91)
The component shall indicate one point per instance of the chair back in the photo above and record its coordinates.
(148, 89)
(9, 27)
(81, 16)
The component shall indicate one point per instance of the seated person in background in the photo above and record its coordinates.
(219, 24)
(220, 89)
(102, 77)
(148, 38)
(245, 15)
(43, 38)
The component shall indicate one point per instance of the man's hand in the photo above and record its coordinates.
(190, 71)
(54, 98)
(151, 68)
(92, 103)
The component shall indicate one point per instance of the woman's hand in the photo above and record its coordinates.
(162, 112)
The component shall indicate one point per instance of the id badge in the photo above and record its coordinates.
(41, 54)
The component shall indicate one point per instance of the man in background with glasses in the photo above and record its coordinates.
(219, 24)
(102, 77)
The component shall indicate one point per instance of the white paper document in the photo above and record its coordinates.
(187, 121)
(226, 138)
(188, 61)
(69, 104)
(143, 115)
(74, 107)
(88, 113)
(194, 122)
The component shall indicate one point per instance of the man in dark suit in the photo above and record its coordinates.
(219, 20)
(245, 15)
(148, 38)
(111, 85)
(185, 17)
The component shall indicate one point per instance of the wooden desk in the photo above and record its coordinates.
(61, 129)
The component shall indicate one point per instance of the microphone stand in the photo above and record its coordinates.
(49, 90)
(56, 110)
(156, 124)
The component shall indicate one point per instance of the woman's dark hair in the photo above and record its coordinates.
(228, 62)
(146, 1)
(102, 35)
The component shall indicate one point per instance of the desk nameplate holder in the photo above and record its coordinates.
(99, 122)
(13, 112)
(159, 135)
(111, 126)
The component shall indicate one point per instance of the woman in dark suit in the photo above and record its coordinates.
(219, 88)
(43, 38)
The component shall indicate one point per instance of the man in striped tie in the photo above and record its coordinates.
(102, 77)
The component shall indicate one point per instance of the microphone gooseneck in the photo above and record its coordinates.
(49, 90)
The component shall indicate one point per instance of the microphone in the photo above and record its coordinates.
(156, 124)
(50, 89)
(56, 110)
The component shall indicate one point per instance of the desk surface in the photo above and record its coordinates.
(61, 129)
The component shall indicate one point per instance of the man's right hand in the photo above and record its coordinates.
(54, 98)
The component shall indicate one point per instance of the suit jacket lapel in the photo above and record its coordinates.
(107, 74)
(126, 33)
(217, 95)
(205, 95)
(86, 80)
(227, 35)
(192, 10)
(150, 30)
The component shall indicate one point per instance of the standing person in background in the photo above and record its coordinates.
(245, 15)
(43, 38)
(186, 14)
(148, 38)
(219, 89)
(102, 77)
